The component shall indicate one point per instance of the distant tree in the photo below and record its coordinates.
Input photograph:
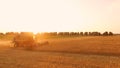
(45, 34)
(54, 33)
(90, 34)
(99, 34)
(110, 33)
(61, 33)
(81, 34)
(71, 33)
(105, 33)
(1, 33)
(86, 33)
(66, 33)
(95, 33)
(9, 33)
(77, 33)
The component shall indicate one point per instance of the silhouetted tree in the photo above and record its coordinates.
(95, 33)
(77, 33)
(61, 33)
(54, 33)
(110, 33)
(99, 34)
(81, 34)
(86, 33)
(9, 33)
(105, 33)
(66, 33)
(90, 34)
(1, 33)
(71, 33)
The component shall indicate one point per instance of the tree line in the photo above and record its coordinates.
(106, 33)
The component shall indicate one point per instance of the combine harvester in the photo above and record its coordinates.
(26, 39)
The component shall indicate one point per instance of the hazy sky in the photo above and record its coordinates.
(60, 15)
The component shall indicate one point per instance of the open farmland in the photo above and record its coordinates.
(81, 52)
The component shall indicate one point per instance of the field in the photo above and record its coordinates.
(77, 52)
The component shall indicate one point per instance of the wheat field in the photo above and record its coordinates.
(78, 52)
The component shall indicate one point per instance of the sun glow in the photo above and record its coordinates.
(59, 15)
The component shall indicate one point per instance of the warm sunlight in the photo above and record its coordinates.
(59, 33)
(59, 15)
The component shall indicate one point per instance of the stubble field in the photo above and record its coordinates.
(81, 52)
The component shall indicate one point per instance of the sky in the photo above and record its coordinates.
(59, 15)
